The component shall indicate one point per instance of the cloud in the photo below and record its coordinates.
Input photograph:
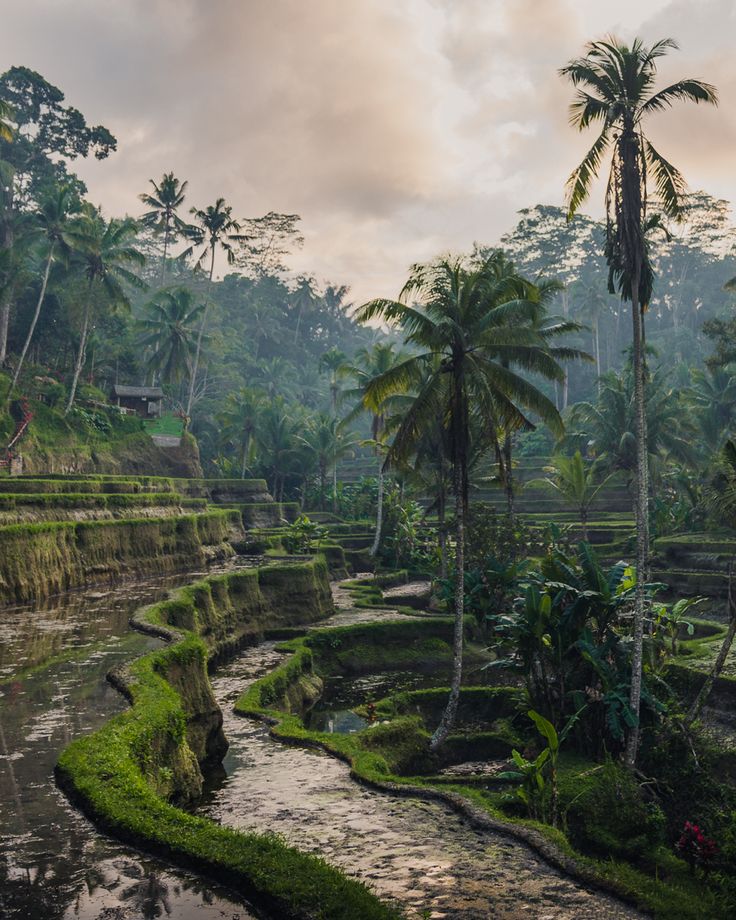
(397, 130)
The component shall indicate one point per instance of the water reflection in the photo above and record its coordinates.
(53, 864)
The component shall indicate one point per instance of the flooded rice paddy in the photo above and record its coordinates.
(53, 863)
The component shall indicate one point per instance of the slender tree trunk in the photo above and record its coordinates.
(163, 258)
(460, 479)
(82, 353)
(442, 531)
(584, 522)
(7, 238)
(334, 485)
(379, 509)
(508, 476)
(31, 330)
(246, 451)
(198, 349)
(702, 697)
(5, 321)
(642, 519)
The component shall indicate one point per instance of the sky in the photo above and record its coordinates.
(397, 129)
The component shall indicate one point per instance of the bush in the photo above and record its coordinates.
(606, 813)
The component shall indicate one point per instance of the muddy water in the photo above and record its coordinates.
(419, 853)
(53, 864)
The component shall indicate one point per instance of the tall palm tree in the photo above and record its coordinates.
(333, 363)
(615, 87)
(326, 441)
(106, 256)
(467, 330)
(369, 364)
(52, 219)
(168, 329)
(168, 196)
(213, 228)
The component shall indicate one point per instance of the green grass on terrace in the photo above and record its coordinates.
(168, 425)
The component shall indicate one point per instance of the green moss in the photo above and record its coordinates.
(38, 560)
(124, 774)
(606, 812)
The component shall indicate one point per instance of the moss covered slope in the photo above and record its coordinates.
(128, 775)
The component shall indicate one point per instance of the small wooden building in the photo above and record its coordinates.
(144, 401)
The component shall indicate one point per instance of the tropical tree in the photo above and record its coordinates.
(239, 423)
(713, 396)
(279, 446)
(168, 196)
(574, 480)
(105, 256)
(608, 425)
(51, 221)
(333, 363)
(214, 228)
(46, 135)
(368, 365)
(467, 328)
(276, 376)
(326, 441)
(168, 330)
(6, 121)
(615, 86)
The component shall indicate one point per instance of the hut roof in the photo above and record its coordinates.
(139, 392)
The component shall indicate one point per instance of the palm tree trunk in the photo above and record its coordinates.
(39, 304)
(642, 519)
(5, 321)
(460, 476)
(508, 476)
(442, 531)
(82, 353)
(198, 350)
(584, 523)
(379, 509)
(163, 258)
(448, 717)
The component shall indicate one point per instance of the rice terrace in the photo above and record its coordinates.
(367, 460)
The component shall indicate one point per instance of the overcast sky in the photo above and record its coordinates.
(398, 129)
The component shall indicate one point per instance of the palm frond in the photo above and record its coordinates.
(580, 181)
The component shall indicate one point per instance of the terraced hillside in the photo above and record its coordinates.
(59, 532)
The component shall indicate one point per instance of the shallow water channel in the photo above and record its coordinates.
(422, 854)
(53, 863)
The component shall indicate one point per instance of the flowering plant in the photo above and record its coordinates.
(695, 847)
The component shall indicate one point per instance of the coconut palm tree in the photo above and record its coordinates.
(168, 329)
(239, 422)
(467, 329)
(106, 256)
(713, 395)
(326, 441)
(615, 88)
(368, 365)
(574, 480)
(333, 363)
(52, 219)
(214, 228)
(168, 196)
